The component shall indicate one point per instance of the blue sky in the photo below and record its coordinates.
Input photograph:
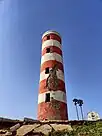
(22, 23)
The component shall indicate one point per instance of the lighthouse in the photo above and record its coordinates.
(52, 103)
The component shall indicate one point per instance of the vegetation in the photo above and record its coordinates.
(87, 129)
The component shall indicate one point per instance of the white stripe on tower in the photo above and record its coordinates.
(56, 95)
(51, 56)
(51, 43)
(60, 75)
(50, 32)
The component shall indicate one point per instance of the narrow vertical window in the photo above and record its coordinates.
(48, 37)
(47, 50)
(47, 97)
(47, 70)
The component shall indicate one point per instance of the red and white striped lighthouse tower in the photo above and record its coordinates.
(52, 103)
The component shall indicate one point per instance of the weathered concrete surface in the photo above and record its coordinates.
(36, 128)
(23, 130)
(61, 127)
(45, 129)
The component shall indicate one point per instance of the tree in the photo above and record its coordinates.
(80, 102)
(75, 103)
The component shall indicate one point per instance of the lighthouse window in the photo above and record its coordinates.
(47, 98)
(47, 70)
(47, 50)
(48, 37)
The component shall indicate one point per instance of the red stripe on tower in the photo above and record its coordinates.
(50, 49)
(42, 86)
(52, 93)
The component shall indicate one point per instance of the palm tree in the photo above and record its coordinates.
(75, 103)
(80, 102)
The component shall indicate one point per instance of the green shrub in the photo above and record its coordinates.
(87, 129)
